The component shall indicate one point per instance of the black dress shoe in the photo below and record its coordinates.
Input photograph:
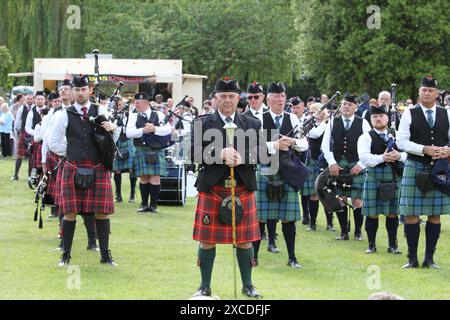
(251, 292)
(343, 237)
(429, 264)
(153, 209)
(14, 178)
(393, 250)
(305, 222)
(264, 236)
(107, 259)
(202, 291)
(358, 237)
(311, 228)
(371, 250)
(143, 209)
(330, 227)
(119, 199)
(272, 248)
(131, 199)
(293, 263)
(412, 264)
(93, 248)
(65, 259)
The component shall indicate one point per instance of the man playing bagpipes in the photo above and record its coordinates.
(225, 173)
(378, 153)
(147, 129)
(276, 198)
(424, 133)
(82, 134)
(339, 146)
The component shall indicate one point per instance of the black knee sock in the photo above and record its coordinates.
(271, 230)
(289, 237)
(412, 232)
(371, 229)
(154, 193)
(144, 194)
(359, 220)
(18, 164)
(118, 182)
(391, 228)
(89, 223)
(343, 219)
(329, 216)
(305, 207)
(68, 228)
(103, 230)
(432, 231)
(257, 243)
(313, 210)
(132, 185)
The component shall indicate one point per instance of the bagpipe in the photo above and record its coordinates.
(326, 189)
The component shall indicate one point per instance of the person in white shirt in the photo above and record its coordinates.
(255, 99)
(424, 133)
(339, 147)
(383, 178)
(149, 162)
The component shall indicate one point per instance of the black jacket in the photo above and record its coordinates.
(212, 171)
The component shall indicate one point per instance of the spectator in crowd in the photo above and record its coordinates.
(207, 107)
(6, 122)
(193, 107)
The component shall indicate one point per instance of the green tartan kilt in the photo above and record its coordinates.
(119, 165)
(308, 188)
(286, 210)
(413, 202)
(373, 205)
(142, 168)
(357, 185)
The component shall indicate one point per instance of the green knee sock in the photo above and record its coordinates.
(206, 263)
(244, 258)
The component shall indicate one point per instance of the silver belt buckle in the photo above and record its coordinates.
(230, 181)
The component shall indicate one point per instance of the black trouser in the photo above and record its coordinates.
(6, 144)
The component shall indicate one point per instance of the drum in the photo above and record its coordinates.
(173, 187)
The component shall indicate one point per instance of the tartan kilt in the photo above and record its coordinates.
(119, 165)
(308, 188)
(356, 191)
(372, 204)
(142, 168)
(98, 198)
(286, 210)
(58, 182)
(21, 148)
(216, 232)
(51, 163)
(36, 155)
(413, 202)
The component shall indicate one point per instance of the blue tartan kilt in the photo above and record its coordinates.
(372, 204)
(308, 188)
(356, 192)
(142, 168)
(286, 210)
(413, 202)
(119, 165)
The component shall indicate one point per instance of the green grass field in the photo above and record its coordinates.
(157, 258)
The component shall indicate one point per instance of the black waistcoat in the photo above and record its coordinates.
(345, 142)
(315, 145)
(80, 137)
(24, 117)
(140, 123)
(36, 117)
(421, 132)
(269, 125)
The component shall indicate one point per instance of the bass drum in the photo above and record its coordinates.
(173, 187)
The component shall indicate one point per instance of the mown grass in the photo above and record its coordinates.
(157, 258)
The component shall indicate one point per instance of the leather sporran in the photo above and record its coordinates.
(424, 182)
(151, 157)
(387, 190)
(125, 154)
(276, 190)
(225, 215)
(84, 178)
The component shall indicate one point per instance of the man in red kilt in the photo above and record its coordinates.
(214, 185)
(85, 183)
(24, 138)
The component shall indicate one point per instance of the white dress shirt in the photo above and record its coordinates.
(301, 144)
(367, 158)
(57, 141)
(328, 154)
(135, 133)
(18, 119)
(29, 123)
(404, 133)
(259, 115)
(316, 132)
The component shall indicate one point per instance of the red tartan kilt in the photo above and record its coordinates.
(58, 182)
(96, 199)
(21, 149)
(36, 156)
(51, 162)
(216, 232)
